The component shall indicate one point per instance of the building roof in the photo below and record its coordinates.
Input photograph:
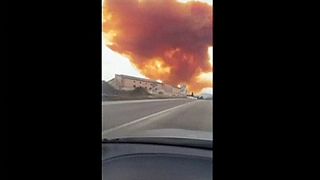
(138, 79)
(143, 79)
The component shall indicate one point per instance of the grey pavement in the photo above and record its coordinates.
(126, 117)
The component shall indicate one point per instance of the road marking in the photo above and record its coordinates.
(139, 101)
(143, 118)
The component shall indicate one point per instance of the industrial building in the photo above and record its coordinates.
(124, 82)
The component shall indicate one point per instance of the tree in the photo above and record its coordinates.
(191, 93)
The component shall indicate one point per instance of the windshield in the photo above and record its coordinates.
(157, 69)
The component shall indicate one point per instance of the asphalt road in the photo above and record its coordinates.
(130, 116)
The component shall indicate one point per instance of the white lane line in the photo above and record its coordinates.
(139, 101)
(143, 118)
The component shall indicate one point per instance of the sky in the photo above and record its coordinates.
(114, 63)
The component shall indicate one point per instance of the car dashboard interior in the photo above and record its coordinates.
(136, 161)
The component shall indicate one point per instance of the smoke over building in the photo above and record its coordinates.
(164, 39)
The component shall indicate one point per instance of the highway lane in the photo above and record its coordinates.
(116, 113)
(181, 114)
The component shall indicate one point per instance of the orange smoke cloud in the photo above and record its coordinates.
(164, 39)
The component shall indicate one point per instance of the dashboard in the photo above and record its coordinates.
(135, 161)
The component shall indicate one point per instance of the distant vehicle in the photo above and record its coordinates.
(200, 97)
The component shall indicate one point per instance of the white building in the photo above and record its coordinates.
(124, 82)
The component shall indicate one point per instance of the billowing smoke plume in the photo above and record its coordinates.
(164, 39)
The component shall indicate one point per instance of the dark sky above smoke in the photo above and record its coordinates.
(164, 39)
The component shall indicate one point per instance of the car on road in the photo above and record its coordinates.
(158, 154)
(200, 97)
